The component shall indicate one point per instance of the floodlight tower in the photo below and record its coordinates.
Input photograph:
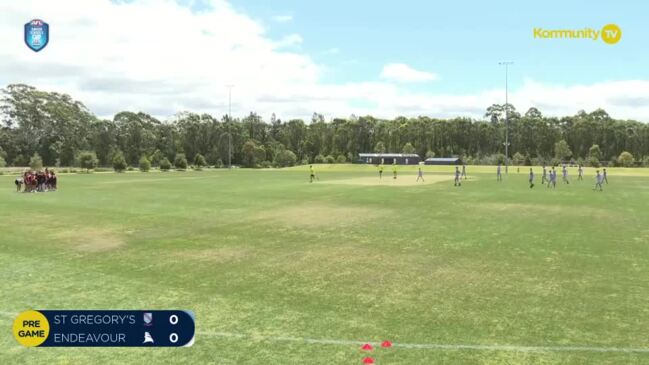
(229, 120)
(506, 64)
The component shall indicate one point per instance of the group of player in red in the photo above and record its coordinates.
(37, 181)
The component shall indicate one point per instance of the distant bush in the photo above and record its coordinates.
(527, 161)
(180, 162)
(102, 169)
(431, 154)
(476, 160)
(165, 165)
(218, 164)
(593, 161)
(494, 159)
(145, 164)
(199, 161)
(341, 159)
(645, 161)
(625, 159)
(518, 159)
(87, 160)
(562, 150)
(555, 161)
(544, 160)
(119, 163)
(156, 157)
(36, 162)
(265, 164)
(595, 152)
(3, 163)
(408, 148)
(285, 158)
(319, 159)
(330, 159)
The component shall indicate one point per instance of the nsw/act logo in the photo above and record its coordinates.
(37, 34)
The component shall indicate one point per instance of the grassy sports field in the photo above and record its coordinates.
(265, 259)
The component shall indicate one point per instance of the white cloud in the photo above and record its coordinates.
(154, 56)
(403, 73)
(621, 99)
(160, 58)
(283, 18)
(289, 40)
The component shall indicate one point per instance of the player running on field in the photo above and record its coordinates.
(394, 170)
(531, 179)
(580, 172)
(312, 174)
(499, 175)
(553, 178)
(420, 175)
(380, 171)
(605, 177)
(544, 177)
(565, 175)
(463, 171)
(458, 180)
(599, 179)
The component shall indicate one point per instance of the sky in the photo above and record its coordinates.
(336, 58)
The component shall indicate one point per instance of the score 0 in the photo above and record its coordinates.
(173, 337)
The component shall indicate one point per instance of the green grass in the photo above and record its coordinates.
(263, 253)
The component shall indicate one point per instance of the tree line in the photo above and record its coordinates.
(61, 131)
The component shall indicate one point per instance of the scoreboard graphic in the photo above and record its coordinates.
(105, 328)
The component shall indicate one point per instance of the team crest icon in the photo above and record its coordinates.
(37, 34)
(148, 319)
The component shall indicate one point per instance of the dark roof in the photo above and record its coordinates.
(443, 159)
(388, 155)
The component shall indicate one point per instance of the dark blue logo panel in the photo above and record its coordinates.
(37, 34)
(117, 328)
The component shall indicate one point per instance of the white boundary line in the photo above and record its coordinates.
(430, 346)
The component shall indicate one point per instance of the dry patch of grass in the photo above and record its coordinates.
(387, 180)
(90, 239)
(319, 215)
(216, 255)
(376, 275)
(543, 209)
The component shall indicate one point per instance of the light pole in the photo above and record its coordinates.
(229, 119)
(506, 64)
